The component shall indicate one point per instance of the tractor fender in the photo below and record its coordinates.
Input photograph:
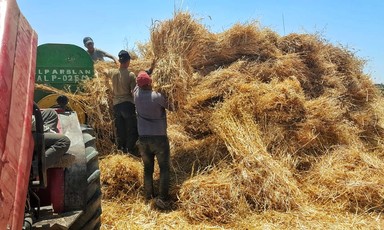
(75, 175)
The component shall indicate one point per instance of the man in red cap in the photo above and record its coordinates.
(153, 141)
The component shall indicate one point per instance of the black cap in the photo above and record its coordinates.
(87, 40)
(124, 56)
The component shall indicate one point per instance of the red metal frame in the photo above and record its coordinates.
(17, 75)
(56, 188)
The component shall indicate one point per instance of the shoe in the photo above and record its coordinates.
(161, 204)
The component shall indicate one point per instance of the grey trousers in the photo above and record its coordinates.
(56, 145)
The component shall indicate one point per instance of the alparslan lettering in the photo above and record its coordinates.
(64, 71)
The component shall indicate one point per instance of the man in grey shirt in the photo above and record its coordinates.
(97, 54)
(153, 141)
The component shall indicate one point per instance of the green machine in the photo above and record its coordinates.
(62, 66)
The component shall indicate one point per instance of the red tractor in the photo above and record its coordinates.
(32, 195)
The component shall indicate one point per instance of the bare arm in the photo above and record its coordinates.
(153, 64)
(112, 57)
(108, 75)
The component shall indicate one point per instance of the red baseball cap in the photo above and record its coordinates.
(143, 79)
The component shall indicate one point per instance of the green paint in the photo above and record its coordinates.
(62, 66)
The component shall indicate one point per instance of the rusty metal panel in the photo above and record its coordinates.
(17, 69)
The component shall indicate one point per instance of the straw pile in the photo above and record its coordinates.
(270, 132)
(211, 197)
(120, 176)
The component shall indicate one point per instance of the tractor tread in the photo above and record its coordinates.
(91, 217)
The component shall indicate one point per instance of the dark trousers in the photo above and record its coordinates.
(126, 126)
(56, 145)
(149, 147)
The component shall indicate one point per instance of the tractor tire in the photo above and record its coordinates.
(91, 216)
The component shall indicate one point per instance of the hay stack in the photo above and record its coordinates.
(288, 101)
(277, 126)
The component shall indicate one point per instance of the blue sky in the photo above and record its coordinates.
(119, 24)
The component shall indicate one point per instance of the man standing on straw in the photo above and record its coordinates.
(123, 83)
(153, 141)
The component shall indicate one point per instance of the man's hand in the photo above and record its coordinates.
(153, 64)
(116, 61)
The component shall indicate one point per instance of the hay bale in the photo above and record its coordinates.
(325, 126)
(121, 175)
(265, 182)
(280, 67)
(174, 42)
(202, 100)
(172, 77)
(97, 99)
(247, 40)
(348, 179)
(179, 35)
(211, 197)
(196, 156)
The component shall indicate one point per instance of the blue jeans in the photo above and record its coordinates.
(126, 126)
(149, 147)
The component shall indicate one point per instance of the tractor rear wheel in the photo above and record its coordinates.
(91, 217)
